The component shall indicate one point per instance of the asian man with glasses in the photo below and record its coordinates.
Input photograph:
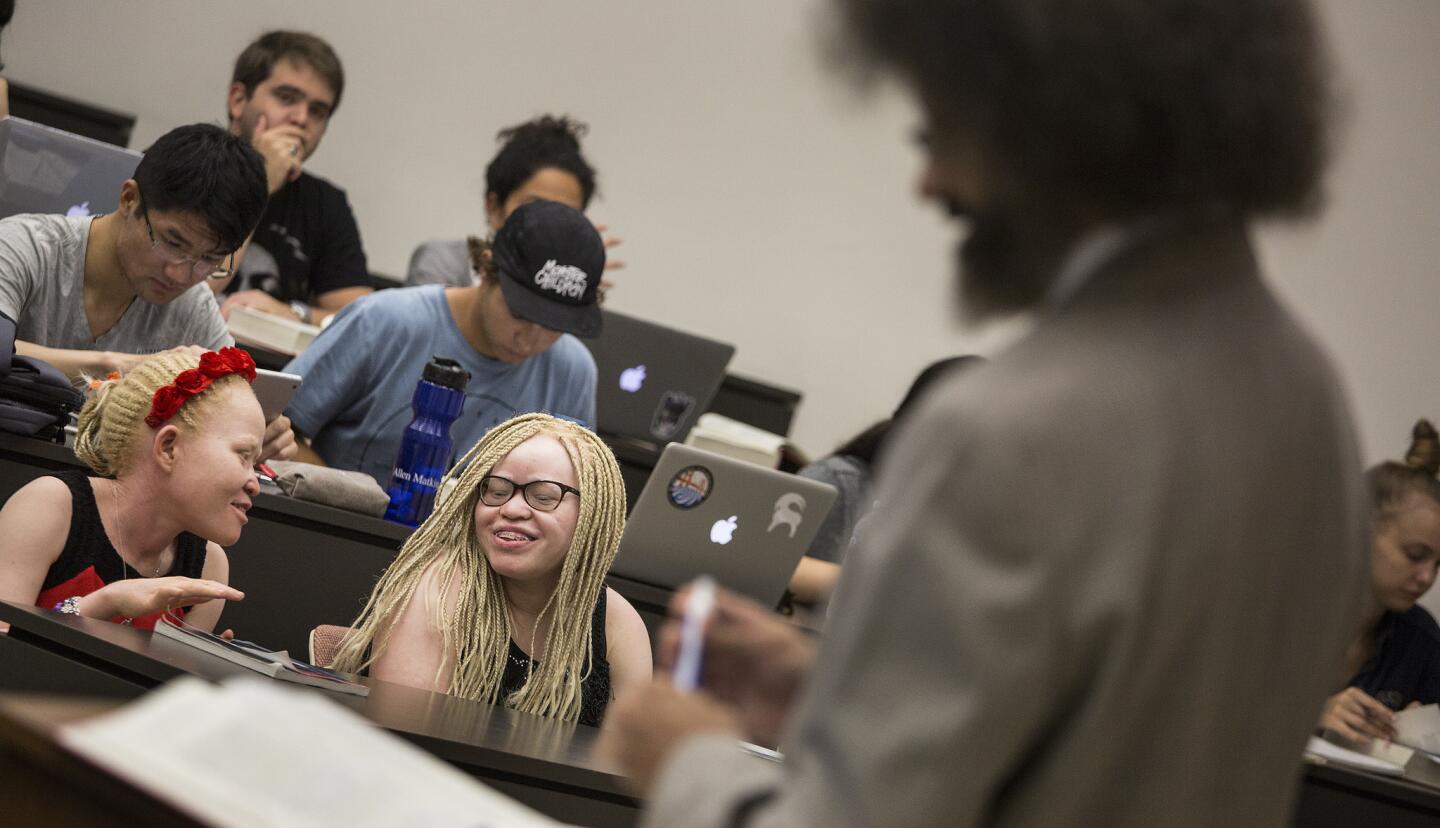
(94, 295)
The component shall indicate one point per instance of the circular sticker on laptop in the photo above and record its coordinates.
(689, 487)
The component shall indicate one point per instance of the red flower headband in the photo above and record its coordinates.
(191, 381)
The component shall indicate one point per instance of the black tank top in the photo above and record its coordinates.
(594, 690)
(89, 561)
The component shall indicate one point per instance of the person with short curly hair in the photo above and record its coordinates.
(538, 159)
(1126, 552)
(172, 446)
(500, 595)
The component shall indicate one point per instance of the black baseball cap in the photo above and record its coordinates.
(550, 258)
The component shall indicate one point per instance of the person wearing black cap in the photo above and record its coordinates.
(514, 332)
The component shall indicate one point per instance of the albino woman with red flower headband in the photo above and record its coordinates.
(173, 443)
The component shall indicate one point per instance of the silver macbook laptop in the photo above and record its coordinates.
(704, 513)
(654, 381)
(47, 170)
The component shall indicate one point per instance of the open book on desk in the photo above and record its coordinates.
(276, 664)
(248, 753)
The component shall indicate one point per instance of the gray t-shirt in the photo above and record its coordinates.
(42, 287)
(360, 376)
(441, 262)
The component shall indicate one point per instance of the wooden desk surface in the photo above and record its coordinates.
(540, 761)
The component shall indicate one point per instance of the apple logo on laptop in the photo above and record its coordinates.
(632, 378)
(723, 530)
(80, 210)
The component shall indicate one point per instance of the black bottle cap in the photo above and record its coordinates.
(446, 372)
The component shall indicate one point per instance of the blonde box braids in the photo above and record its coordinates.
(113, 418)
(476, 630)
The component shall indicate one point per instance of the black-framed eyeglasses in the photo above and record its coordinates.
(200, 266)
(542, 495)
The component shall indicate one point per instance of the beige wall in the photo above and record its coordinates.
(760, 201)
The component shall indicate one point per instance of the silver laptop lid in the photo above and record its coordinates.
(47, 170)
(654, 381)
(704, 513)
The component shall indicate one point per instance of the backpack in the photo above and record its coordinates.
(36, 400)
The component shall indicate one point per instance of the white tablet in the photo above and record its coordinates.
(274, 389)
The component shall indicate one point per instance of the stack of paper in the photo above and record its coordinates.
(253, 753)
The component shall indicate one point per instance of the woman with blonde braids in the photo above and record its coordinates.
(1395, 662)
(500, 595)
(174, 442)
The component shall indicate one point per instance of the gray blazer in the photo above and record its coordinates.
(1111, 582)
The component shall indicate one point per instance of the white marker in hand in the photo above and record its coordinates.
(692, 633)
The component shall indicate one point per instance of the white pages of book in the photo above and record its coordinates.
(286, 336)
(249, 752)
(1389, 759)
(1419, 727)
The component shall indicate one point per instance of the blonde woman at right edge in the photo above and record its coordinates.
(1395, 662)
(500, 595)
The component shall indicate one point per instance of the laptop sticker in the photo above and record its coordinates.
(689, 487)
(674, 407)
(789, 511)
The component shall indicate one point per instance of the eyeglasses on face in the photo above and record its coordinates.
(542, 495)
(201, 266)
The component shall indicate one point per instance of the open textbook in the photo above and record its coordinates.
(249, 753)
(273, 663)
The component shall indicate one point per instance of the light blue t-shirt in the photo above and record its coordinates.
(360, 376)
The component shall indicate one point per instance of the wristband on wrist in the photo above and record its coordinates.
(301, 310)
(71, 606)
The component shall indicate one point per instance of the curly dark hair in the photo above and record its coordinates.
(1125, 106)
(547, 141)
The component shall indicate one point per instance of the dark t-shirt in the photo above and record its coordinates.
(1406, 663)
(307, 244)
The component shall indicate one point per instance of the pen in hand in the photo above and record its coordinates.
(692, 634)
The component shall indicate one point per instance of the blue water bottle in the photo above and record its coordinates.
(425, 449)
